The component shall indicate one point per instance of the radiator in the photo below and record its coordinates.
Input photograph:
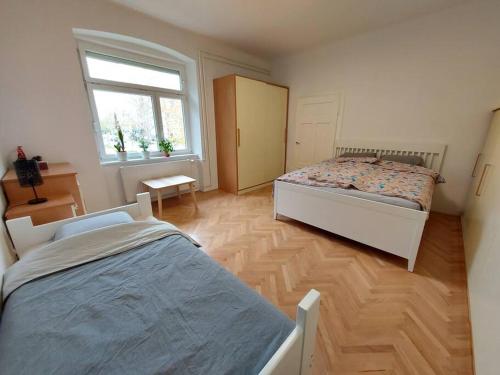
(133, 175)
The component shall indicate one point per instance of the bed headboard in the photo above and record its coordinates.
(432, 153)
(25, 235)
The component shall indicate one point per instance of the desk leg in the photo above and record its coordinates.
(178, 191)
(160, 203)
(73, 209)
(191, 187)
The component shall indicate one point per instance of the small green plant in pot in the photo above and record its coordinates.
(166, 146)
(120, 144)
(144, 145)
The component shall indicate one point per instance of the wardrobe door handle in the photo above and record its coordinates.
(238, 136)
(483, 175)
(476, 164)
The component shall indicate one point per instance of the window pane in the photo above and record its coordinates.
(172, 117)
(132, 112)
(118, 70)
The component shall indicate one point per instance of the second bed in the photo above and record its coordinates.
(389, 218)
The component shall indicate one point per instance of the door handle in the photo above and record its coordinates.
(297, 142)
(476, 164)
(481, 181)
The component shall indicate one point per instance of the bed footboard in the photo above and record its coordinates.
(396, 230)
(295, 355)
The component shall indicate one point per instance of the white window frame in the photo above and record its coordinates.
(154, 92)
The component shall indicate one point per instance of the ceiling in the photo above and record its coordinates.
(271, 28)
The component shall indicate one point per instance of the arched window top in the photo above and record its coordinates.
(126, 42)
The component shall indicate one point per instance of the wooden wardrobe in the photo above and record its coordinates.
(481, 231)
(251, 125)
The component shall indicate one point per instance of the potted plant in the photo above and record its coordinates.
(144, 145)
(166, 146)
(120, 145)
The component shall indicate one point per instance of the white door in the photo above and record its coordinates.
(482, 251)
(483, 196)
(315, 129)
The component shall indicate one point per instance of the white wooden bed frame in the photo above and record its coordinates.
(396, 230)
(293, 357)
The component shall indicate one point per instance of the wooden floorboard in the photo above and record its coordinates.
(376, 317)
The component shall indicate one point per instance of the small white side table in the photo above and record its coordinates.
(157, 184)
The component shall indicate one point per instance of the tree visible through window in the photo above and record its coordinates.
(146, 101)
(173, 121)
(133, 113)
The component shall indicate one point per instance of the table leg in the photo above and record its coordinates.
(160, 203)
(178, 191)
(191, 187)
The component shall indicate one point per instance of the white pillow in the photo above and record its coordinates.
(95, 222)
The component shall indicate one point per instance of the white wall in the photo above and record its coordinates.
(433, 79)
(43, 103)
(6, 256)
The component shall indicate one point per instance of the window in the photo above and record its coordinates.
(144, 97)
(172, 116)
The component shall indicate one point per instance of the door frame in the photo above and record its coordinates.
(304, 99)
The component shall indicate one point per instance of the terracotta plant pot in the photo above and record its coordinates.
(167, 154)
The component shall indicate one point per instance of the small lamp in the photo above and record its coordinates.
(28, 174)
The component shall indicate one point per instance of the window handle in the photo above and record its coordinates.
(476, 164)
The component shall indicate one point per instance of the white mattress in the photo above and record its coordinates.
(395, 201)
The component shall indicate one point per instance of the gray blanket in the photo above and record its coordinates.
(162, 308)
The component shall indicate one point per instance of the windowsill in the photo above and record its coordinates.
(153, 159)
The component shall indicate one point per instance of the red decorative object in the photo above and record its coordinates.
(20, 153)
(43, 165)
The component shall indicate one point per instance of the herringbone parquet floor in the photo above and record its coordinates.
(376, 317)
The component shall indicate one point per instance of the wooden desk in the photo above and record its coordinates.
(57, 207)
(59, 180)
(158, 184)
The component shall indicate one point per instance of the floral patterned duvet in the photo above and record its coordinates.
(382, 177)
